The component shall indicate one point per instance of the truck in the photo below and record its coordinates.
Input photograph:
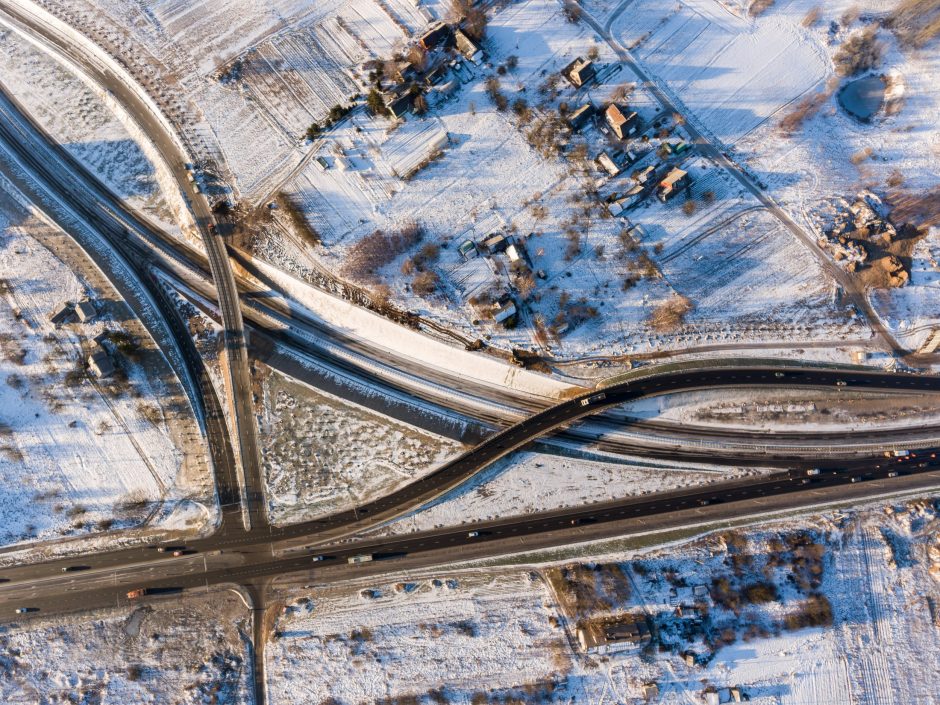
(139, 592)
(897, 453)
(593, 399)
(361, 558)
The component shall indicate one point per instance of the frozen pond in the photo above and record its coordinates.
(863, 97)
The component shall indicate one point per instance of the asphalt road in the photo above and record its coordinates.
(56, 592)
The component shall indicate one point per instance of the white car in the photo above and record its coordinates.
(473, 534)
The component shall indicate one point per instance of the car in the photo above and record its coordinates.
(898, 453)
(473, 534)
(856, 479)
(317, 559)
(74, 568)
(812, 471)
(840, 383)
(134, 594)
(177, 554)
(893, 473)
(161, 549)
(582, 521)
(778, 374)
(24, 610)
(805, 481)
(704, 502)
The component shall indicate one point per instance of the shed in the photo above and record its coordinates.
(85, 311)
(61, 314)
(608, 164)
(495, 243)
(100, 364)
(468, 249)
(503, 312)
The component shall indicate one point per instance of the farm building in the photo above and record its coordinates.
(440, 35)
(606, 637)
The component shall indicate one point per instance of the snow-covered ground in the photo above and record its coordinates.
(478, 636)
(534, 482)
(190, 652)
(322, 455)
(80, 454)
(94, 130)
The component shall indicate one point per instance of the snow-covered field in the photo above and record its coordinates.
(188, 652)
(322, 454)
(478, 636)
(79, 454)
(732, 74)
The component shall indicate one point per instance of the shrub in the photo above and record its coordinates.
(425, 283)
(860, 52)
(372, 252)
(759, 7)
(689, 207)
(493, 89)
(572, 11)
(670, 314)
(811, 17)
(816, 611)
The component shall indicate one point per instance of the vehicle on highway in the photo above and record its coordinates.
(704, 502)
(473, 534)
(840, 383)
(361, 558)
(4, 580)
(812, 471)
(170, 549)
(856, 479)
(24, 610)
(317, 559)
(139, 592)
(583, 521)
(74, 568)
(212, 228)
(893, 473)
(594, 399)
(897, 453)
(778, 374)
(177, 554)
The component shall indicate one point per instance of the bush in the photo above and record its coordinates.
(425, 283)
(759, 7)
(689, 206)
(816, 611)
(493, 89)
(759, 593)
(860, 52)
(372, 252)
(572, 11)
(670, 314)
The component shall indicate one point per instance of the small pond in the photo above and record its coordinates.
(863, 97)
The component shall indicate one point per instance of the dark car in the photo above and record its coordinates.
(75, 568)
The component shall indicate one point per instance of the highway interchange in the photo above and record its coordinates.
(246, 550)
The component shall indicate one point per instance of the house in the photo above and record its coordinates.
(606, 637)
(100, 364)
(608, 164)
(581, 117)
(504, 312)
(468, 47)
(85, 311)
(622, 121)
(439, 35)
(650, 691)
(61, 314)
(580, 72)
(675, 182)
(401, 105)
